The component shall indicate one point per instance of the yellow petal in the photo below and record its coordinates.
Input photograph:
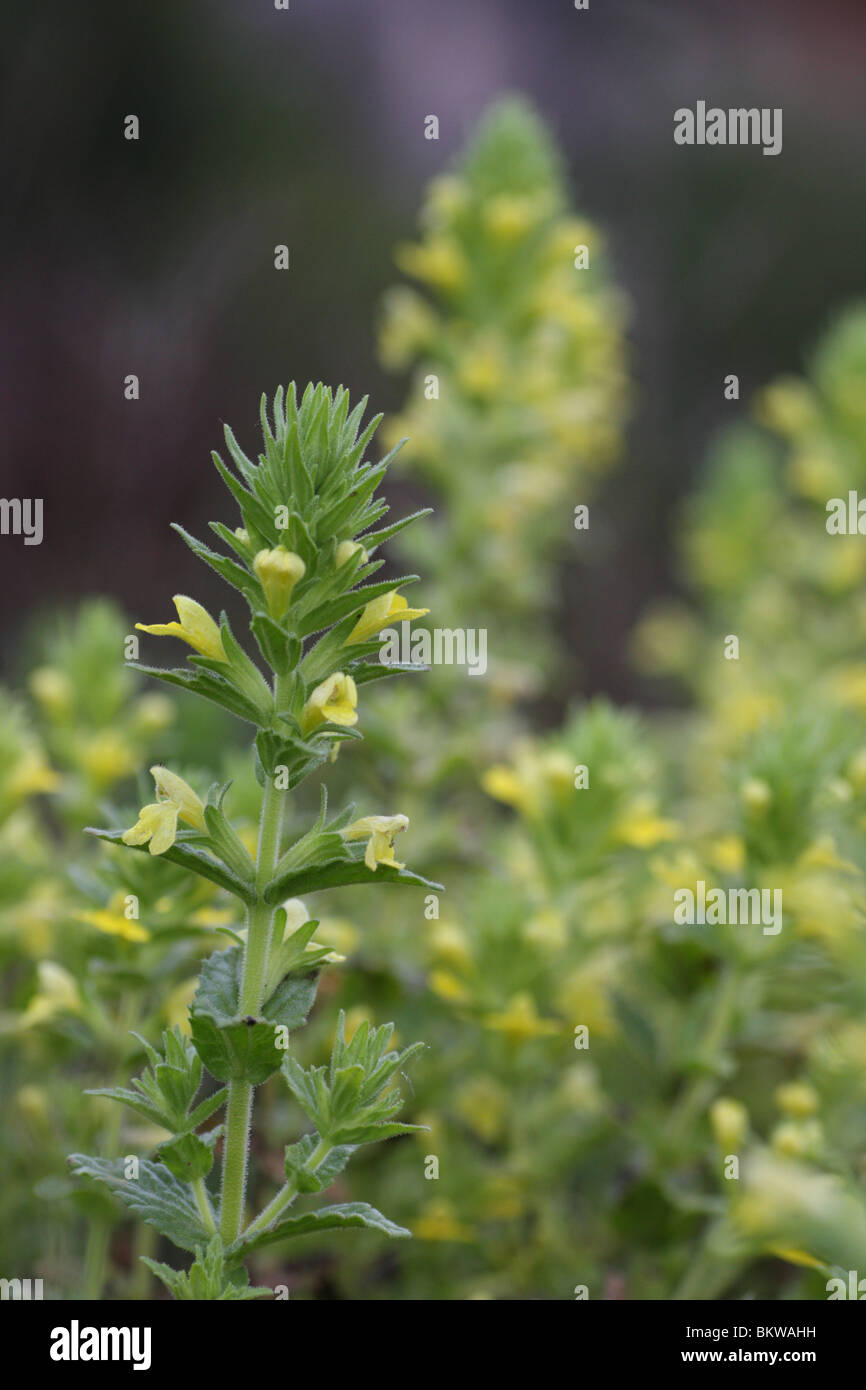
(196, 627)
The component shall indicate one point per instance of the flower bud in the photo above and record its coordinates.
(278, 571)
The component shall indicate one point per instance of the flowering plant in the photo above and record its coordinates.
(301, 560)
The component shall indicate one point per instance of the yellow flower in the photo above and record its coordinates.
(335, 701)
(520, 1020)
(113, 921)
(157, 823)
(57, 993)
(391, 607)
(482, 1103)
(504, 784)
(438, 262)
(196, 627)
(730, 1123)
(52, 689)
(156, 827)
(728, 854)
(450, 945)
(152, 713)
(447, 986)
(170, 787)
(30, 775)
(106, 758)
(508, 218)
(175, 1009)
(345, 551)
(278, 571)
(439, 1222)
(796, 1098)
(642, 828)
(380, 845)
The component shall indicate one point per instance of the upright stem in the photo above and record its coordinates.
(260, 918)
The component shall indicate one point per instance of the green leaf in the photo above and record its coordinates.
(234, 1046)
(317, 1179)
(188, 858)
(343, 1216)
(208, 1279)
(189, 1156)
(338, 874)
(157, 1196)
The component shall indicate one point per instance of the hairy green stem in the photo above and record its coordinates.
(203, 1203)
(260, 917)
(287, 1193)
(238, 1111)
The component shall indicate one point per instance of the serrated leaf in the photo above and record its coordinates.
(157, 1196)
(338, 874)
(342, 1216)
(188, 858)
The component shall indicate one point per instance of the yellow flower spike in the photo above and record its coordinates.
(335, 701)
(278, 571)
(196, 627)
(171, 788)
(345, 551)
(388, 608)
(156, 827)
(380, 845)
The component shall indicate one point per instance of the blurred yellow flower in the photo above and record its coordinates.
(520, 1020)
(439, 262)
(112, 920)
(642, 828)
(439, 1222)
(57, 993)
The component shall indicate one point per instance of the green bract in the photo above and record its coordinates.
(302, 559)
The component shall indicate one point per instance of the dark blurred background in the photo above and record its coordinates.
(305, 127)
